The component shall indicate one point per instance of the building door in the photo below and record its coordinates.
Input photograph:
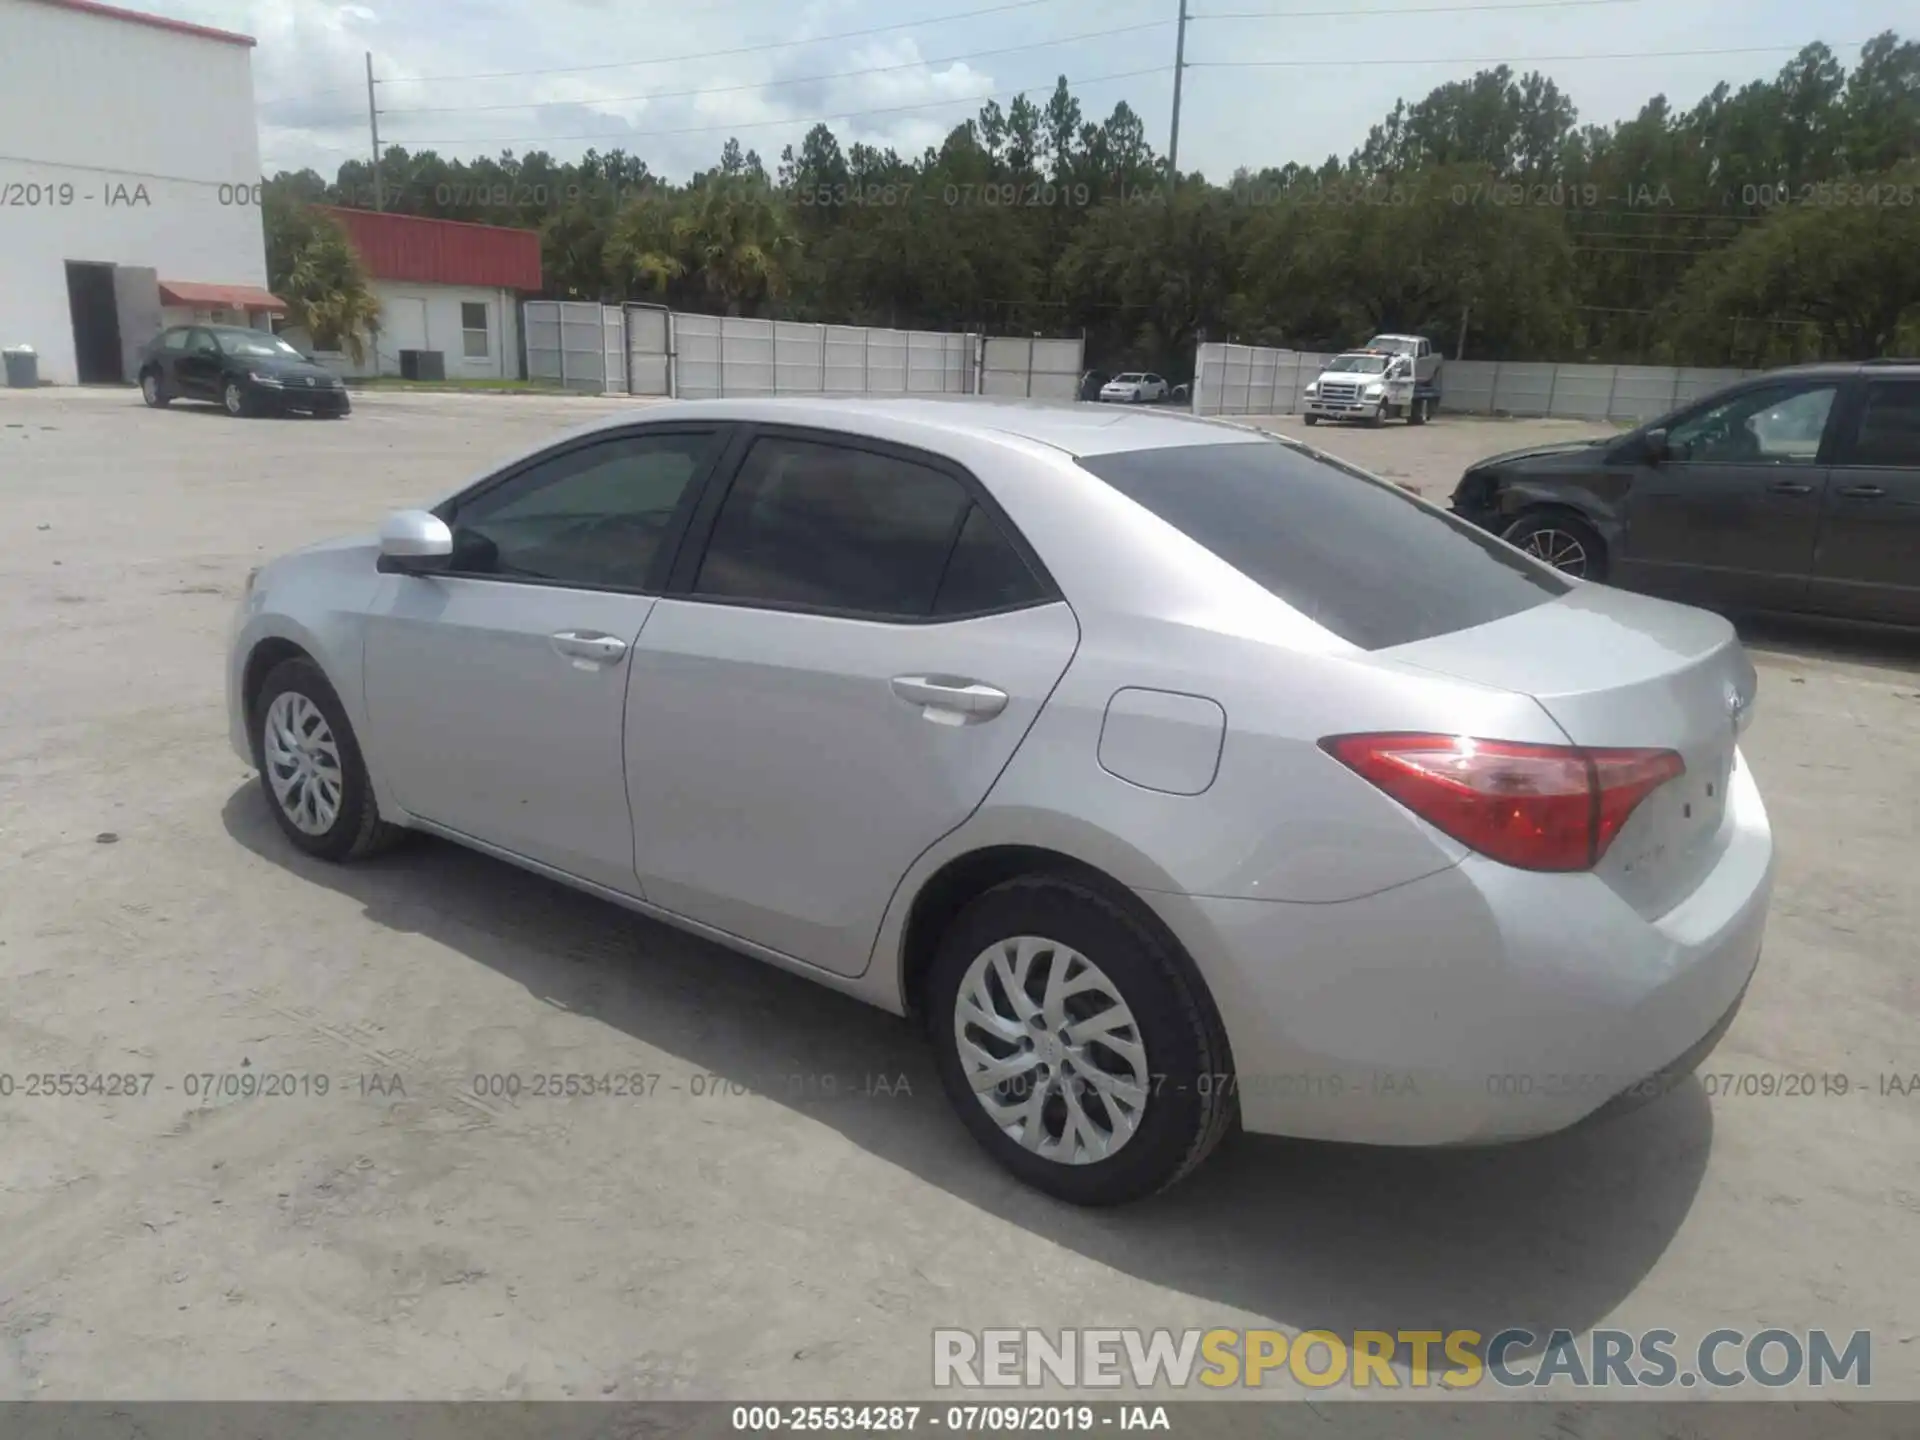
(96, 323)
(403, 323)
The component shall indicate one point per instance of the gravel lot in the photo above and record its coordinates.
(741, 1232)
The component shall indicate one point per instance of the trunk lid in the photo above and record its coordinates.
(1615, 669)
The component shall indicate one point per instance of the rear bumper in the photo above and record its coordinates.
(1479, 1004)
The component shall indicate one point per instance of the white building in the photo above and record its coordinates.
(129, 183)
(445, 287)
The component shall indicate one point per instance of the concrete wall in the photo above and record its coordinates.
(121, 143)
(427, 317)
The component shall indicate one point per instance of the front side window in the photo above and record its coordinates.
(1354, 554)
(824, 526)
(203, 343)
(1775, 425)
(596, 517)
(473, 329)
(1889, 431)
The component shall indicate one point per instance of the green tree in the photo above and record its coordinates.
(314, 268)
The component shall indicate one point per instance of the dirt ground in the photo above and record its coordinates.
(792, 1208)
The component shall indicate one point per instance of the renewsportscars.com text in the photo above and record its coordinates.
(1384, 1359)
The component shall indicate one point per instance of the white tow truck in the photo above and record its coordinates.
(1390, 377)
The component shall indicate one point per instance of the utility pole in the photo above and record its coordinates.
(1179, 65)
(373, 130)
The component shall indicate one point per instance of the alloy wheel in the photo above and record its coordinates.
(302, 762)
(1559, 549)
(1051, 1049)
(150, 388)
(236, 401)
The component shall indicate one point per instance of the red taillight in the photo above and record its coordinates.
(1537, 807)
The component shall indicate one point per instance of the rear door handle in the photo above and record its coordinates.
(1790, 487)
(1863, 492)
(589, 646)
(949, 700)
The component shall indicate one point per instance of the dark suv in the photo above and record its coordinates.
(1793, 491)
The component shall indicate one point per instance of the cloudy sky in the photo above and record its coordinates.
(671, 81)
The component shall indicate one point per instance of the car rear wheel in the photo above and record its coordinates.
(234, 397)
(1565, 542)
(1417, 413)
(1076, 1046)
(152, 391)
(310, 766)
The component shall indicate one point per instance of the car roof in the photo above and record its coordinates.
(1072, 428)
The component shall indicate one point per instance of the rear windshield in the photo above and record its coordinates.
(1355, 554)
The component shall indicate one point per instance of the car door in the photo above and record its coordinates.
(496, 691)
(197, 368)
(1867, 563)
(843, 666)
(1729, 516)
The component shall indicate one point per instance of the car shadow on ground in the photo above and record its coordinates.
(1814, 639)
(1549, 1233)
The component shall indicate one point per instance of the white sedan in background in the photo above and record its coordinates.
(1134, 388)
(1173, 775)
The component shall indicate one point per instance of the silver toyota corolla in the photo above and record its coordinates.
(1174, 775)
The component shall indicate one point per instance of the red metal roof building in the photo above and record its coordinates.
(442, 252)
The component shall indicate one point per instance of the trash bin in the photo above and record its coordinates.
(23, 367)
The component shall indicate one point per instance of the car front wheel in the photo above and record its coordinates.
(1077, 1048)
(310, 766)
(234, 396)
(152, 391)
(1565, 542)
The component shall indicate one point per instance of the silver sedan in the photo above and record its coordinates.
(1175, 776)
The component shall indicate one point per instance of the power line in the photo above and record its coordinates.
(785, 80)
(735, 50)
(731, 127)
(1399, 12)
(1507, 59)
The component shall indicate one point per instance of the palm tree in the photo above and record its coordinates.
(315, 269)
(741, 241)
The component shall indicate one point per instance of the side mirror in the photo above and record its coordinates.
(1655, 447)
(414, 542)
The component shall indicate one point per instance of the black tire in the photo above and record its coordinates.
(1379, 416)
(233, 399)
(153, 389)
(357, 829)
(1540, 532)
(1417, 413)
(1310, 419)
(1189, 1106)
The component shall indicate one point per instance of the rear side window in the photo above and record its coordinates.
(829, 527)
(985, 572)
(174, 340)
(1354, 554)
(1889, 432)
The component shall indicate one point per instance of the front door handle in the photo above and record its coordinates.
(1863, 492)
(949, 700)
(1790, 487)
(589, 646)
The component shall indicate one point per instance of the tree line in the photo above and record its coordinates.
(1775, 222)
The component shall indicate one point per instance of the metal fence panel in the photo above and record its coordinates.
(1032, 367)
(698, 372)
(649, 341)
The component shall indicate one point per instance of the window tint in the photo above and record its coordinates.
(202, 343)
(985, 571)
(1889, 432)
(807, 523)
(1775, 425)
(174, 340)
(595, 516)
(1357, 555)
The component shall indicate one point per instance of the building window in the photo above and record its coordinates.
(473, 329)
